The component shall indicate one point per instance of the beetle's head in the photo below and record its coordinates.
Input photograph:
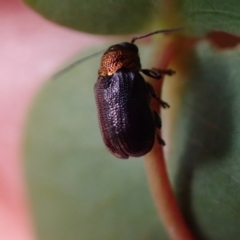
(125, 46)
(122, 55)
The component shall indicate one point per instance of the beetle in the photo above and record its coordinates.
(128, 124)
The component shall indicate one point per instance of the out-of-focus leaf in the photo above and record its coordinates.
(78, 190)
(205, 158)
(204, 16)
(101, 17)
(121, 17)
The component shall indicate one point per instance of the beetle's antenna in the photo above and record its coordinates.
(156, 32)
(74, 64)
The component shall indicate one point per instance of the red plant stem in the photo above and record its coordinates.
(164, 197)
(156, 171)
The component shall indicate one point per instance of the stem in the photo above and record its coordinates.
(164, 197)
(156, 171)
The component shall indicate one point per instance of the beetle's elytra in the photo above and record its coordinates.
(128, 125)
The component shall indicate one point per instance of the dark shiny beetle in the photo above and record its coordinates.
(128, 124)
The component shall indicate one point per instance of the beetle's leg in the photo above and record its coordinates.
(157, 73)
(154, 95)
(168, 72)
(160, 140)
(158, 125)
(152, 73)
(158, 120)
(157, 117)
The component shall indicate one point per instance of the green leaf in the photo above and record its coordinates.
(101, 17)
(121, 17)
(204, 16)
(78, 190)
(204, 162)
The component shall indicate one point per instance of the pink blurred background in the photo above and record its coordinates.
(31, 50)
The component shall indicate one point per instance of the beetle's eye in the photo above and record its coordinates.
(130, 46)
(112, 48)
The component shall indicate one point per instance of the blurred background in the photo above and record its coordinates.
(57, 180)
(31, 50)
(74, 188)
